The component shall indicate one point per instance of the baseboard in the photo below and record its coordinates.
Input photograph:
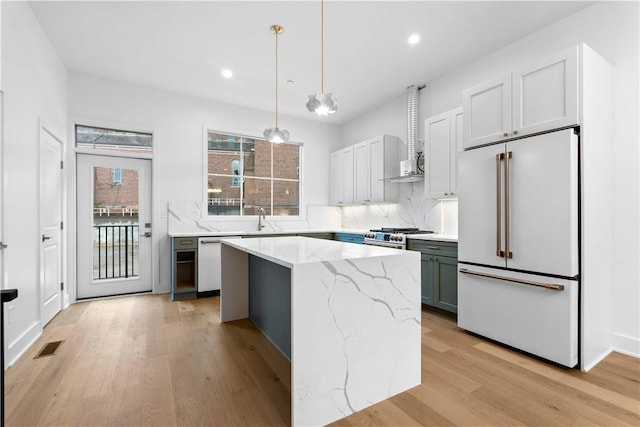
(626, 345)
(16, 349)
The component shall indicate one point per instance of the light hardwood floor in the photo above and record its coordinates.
(145, 360)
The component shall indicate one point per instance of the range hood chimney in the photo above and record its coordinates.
(413, 95)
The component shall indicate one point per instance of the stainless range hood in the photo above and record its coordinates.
(413, 152)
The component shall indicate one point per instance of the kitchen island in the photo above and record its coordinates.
(346, 316)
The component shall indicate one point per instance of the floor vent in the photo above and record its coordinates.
(49, 349)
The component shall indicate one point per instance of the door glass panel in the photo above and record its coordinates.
(115, 223)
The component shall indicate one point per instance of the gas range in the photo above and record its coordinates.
(391, 237)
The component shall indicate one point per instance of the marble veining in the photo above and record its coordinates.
(355, 313)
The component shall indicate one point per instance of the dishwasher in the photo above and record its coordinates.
(209, 271)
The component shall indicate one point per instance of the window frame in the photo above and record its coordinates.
(244, 134)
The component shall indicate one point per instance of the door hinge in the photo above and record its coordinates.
(62, 286)
(61, 225)
(61, 164)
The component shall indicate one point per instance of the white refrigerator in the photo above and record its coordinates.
(518, 251)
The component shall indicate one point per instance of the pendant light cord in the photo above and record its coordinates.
(321, 46)
(276, 32)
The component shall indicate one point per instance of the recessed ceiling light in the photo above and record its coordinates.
(414, 38)
(226, 73)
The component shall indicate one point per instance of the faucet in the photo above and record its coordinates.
(261, 216)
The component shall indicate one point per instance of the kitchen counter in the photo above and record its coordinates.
(257, 233)
(438, 237)
(347, 316)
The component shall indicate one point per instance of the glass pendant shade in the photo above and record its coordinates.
(322, 104)
(276, 135)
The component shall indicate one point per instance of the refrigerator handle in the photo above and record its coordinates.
(507, 251)
(499, 251)
(550, 286)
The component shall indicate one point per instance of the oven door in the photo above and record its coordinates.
(386, 244)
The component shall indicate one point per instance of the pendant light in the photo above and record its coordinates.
(275, 134)
(322, 103)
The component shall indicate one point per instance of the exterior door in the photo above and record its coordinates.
(50, 225)
(114, 225)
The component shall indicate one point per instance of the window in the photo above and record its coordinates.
(116, 176)
(112, 139)
(246, 174)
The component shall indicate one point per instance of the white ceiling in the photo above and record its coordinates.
(183, 46)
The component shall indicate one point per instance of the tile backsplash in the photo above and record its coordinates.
(411, 210)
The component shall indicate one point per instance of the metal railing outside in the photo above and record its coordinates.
(115, 251)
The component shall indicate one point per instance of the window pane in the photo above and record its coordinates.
(222, 197)
(261, 160)
(257, 194)
(286, 198)
(286, 161)
(112, 139)
(115, 223)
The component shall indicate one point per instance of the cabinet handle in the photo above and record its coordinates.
(435, 248)
(515, 132)
(511, 279)
(45, 237)
(505, 134)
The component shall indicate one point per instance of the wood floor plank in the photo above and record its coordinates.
(145, 360)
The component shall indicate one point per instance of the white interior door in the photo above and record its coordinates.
(50, 225)
(113, 225)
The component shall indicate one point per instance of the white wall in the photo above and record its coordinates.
(177, 124)
(611, 29)
(35, 84)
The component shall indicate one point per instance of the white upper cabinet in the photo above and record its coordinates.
(376, 159)
(342, 177)
(358, 172)
(443, 141)
(542, 96)
(545, 94)
(487, 112)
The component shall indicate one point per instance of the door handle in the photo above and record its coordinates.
(507, 251)
(3, 246)
(499, 158)
(45, 237)
(551, 286)
(147, 234)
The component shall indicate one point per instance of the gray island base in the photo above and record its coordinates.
(346, 316)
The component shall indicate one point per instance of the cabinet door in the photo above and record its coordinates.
(545, 94)
(376, 170)
(337, 178)
(427, 279)
(361, 175)
(437, 131)
(456, 147)
(347, 175)
(543, 203)
(445, 283)
(487, 112)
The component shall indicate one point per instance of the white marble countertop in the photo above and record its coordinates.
(439, 237)
(257, 233)
(295, 250)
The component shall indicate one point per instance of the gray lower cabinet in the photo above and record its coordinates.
(349, 237)
(439, 273)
